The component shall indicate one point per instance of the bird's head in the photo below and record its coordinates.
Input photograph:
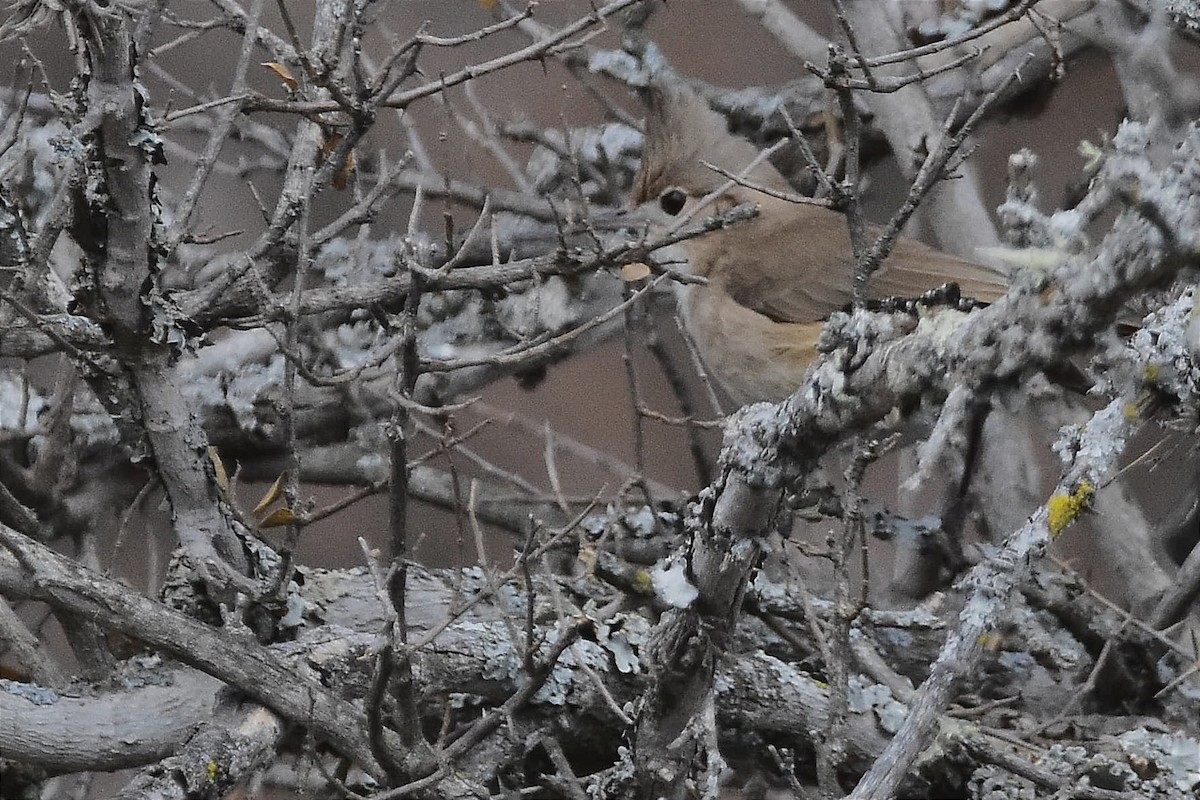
(682, 134)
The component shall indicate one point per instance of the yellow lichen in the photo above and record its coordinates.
(1065, 508)
(991, 642)
(1094, 155)
(213, 769)
(1151, 373)
(643, 584)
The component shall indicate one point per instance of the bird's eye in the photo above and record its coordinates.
(672, 201)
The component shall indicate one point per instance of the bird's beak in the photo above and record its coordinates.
(636, 219)
(607, 218)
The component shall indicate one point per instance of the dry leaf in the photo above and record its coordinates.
(283, 73)
(273, 494)
(278, 518)
(219, 468)
(342, 176)
(330, 145)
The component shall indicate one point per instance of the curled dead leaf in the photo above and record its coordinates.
(272, 494)
(278, 518)
(283, 73)
(342, 177)
(219, 468)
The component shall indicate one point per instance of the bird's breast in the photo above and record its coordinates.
(752, 357)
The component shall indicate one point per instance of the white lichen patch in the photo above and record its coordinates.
(561, 682)
(671, 583)
(1100, 442)
(939, 324)
(623, 637)
(1177, 757)
(877, 698)
(20, 404)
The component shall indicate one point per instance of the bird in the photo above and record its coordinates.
(773, 279)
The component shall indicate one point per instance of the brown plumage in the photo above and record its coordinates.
(775, 278)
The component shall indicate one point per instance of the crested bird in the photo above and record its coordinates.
(774, 279)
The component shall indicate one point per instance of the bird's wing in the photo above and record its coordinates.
(820, 279)
(914, 268)
(766, 262)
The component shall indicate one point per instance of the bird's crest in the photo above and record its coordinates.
(681, 132)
